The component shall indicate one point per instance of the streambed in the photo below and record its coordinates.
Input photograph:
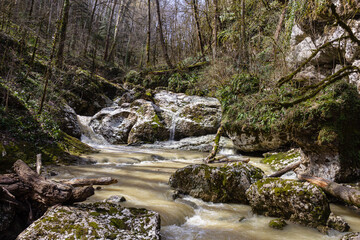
(143, 175)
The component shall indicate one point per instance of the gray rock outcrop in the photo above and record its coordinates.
(92, 221)
(168, 116)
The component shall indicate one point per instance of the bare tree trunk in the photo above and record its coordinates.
(90, 27)
(119, 20)
(148, 35)
(244, 55)
(279, 26)
(215, 30)
(197, 23)
(348, 195)
(31, 8)
(161, 35)
(62, 34)
(107, 42)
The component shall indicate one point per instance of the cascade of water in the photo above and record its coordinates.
(88, 135)
(173, 127)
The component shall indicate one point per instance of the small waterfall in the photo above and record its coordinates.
(173, 127)
(88, 135)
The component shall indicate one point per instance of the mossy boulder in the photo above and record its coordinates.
(94, 221)
(277, 223)
(216, 184)
(299, 202)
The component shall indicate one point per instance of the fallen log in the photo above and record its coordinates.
(346, 194)
(78, 182)
(44, 191)
(286, 169)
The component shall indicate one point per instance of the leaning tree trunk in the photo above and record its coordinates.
(214, 151)
(348, 195)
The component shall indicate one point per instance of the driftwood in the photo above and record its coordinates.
(348, 195)
(26, 195)
(27, 184)
(285, 169)
(226, 159)
(43, 191)
(78, 182)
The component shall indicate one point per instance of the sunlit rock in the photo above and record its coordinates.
(299, 202)
(93, 221)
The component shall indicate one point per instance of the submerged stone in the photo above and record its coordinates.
(277, 223)
(216, 184)
(337, 223)
(300, 202)
(94, 221)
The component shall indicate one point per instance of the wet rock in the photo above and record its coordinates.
(299, 202)
(242, 218)
(95, 220)
(277, 223)
(69, 122)
(147, 120)
(337, 223)
(114, 123)
(201, 144)
(188, 116)
(351, 236)
(149, 126)
(216, 184)
(115, 199)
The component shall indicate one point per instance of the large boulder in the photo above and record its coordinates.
(130, 123)
(93, 221)
(300, 202)
(188, 116)
(166, 116)
(216, 184)
(68, 121)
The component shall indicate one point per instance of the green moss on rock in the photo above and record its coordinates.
(216, 184)
(277, 224)
(300, 202)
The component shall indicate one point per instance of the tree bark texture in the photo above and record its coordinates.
(161, 35)
(62, 34)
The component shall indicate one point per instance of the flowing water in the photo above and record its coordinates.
(143, 175)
